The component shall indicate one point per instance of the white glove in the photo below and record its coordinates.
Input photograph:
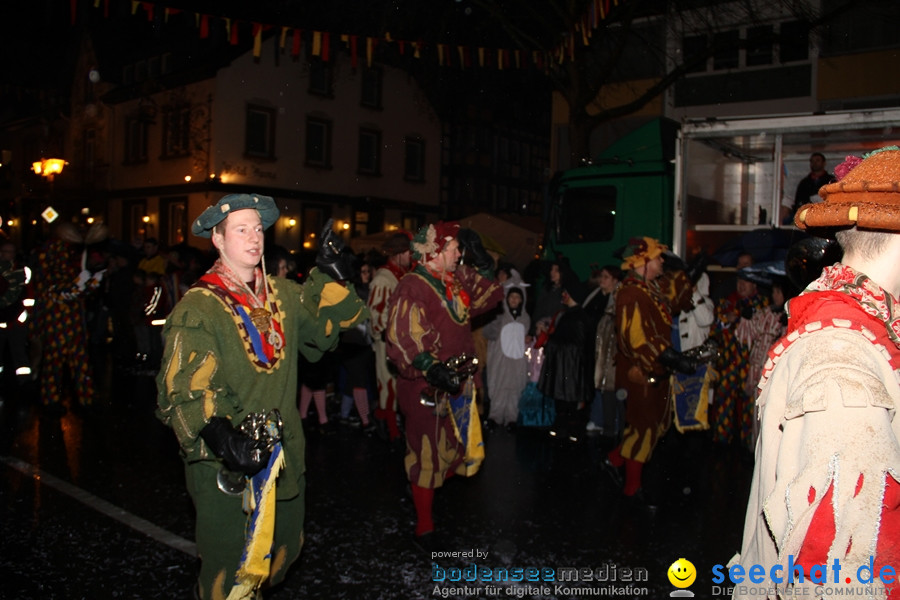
(82, 280)
(98, 276)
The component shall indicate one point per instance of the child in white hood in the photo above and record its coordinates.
(507, 367)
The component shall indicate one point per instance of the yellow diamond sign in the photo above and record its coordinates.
(49, 214)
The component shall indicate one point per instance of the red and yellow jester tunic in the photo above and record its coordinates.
(430, 320)
(644, 329)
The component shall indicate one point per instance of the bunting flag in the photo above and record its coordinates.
(370, 46)
(351, 42)
(257, 40)
(96, 5)
(295, 47)
(582, 32)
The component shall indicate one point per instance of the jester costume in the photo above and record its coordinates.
(644, 330)
(825, 492)
(60, 284)
(382, 286)
(826, 487)
(230, 352)
(733, 408)
(430, 321)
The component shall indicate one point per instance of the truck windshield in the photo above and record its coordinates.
(587, 214)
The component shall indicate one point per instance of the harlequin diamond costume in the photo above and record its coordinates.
(733, 411)
(230, 351)
(430, 322)
(61, 282)
(825, 487)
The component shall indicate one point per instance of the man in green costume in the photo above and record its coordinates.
(231, 347)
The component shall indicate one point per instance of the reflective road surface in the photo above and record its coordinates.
(94, 507)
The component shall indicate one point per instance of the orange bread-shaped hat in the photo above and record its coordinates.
(866, 195)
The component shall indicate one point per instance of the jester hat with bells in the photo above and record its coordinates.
(639, 251)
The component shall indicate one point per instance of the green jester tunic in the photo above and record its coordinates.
(218, 363)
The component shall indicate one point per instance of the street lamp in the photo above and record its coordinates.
(49, 167)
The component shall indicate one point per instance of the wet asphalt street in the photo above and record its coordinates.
(94, 507)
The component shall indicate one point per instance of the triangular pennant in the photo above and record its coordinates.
(257, 40)
(234, 33)
(297, 44)
(354, 52)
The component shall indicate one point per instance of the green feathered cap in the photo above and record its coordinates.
(215, 214)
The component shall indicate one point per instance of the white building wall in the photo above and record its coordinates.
(283, 86)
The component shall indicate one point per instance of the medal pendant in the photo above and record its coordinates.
(260, 318)
(275, 340)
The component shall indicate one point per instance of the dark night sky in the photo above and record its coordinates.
(40, 43)
(36, 33)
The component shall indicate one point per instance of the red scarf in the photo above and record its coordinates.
(258, 298)
(847, 299)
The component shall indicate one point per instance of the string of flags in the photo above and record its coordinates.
(320, 43)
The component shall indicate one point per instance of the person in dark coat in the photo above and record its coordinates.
(567, 373)
(808, 188)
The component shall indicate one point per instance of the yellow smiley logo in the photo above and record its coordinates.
(682, 573)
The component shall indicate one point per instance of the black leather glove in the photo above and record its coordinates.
(240, 453)
(697, 267)
(332, 259)
(443, 377)
(673, 262)
(471, 248)
(676, 361)
(747, 312)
